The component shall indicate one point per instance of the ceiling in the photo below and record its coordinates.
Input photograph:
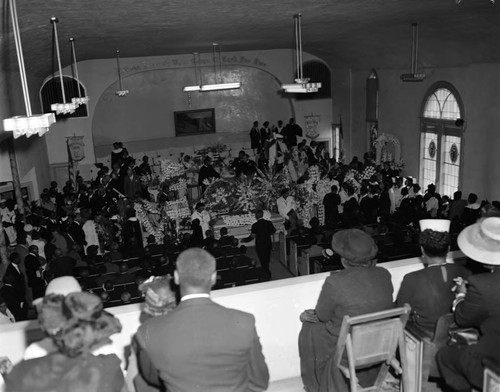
(358, 34)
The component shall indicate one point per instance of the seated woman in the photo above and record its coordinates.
(429, 290)
(77, 325)
(358, 289)
(477, 304)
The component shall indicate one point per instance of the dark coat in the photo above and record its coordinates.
(202, 346)
(429, 294)
(462, 367)
(340, 296)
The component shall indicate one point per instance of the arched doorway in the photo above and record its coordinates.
(441, 144)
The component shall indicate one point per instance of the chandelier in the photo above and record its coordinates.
(30, 124)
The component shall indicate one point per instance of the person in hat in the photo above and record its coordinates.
(159, 299)
(340, 296)
(477, 304)
(428, 291)
(77, 325)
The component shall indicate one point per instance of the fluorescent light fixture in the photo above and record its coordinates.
(29, 125)
(77, 100)
(301, 87)
(220, 86)
(188, 89)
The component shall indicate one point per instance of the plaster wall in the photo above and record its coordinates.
(399, 114)
(144, 120)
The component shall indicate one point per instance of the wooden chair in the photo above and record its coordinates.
(423, 350)
(373, 339)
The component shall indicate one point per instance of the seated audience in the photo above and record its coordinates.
(429, 290)
(477, 304)
(341, 296)
(209, 354)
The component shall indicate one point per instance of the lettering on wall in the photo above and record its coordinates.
(183, 62)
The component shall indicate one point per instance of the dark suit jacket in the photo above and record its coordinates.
(481, 308)
(202, 346)
(20, 280)
(13, 300)
(429, 295)
(207, 172)
(263, 230)
(76, 232)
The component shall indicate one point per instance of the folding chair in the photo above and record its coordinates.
(373, 339)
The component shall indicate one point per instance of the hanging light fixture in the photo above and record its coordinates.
(77, 100)
(31, 123)
(301, 85)
(121, 92)
(217, 59)
(197, 86)
(64, 107)
(414, 76)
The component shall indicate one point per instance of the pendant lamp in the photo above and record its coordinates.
(77, 100)
(64, 107)
(301, 85)
(31, 123)
(121, 92)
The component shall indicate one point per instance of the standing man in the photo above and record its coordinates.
(262, 230)
(200, 345)
(203, 215)
(34, 272)
(291, 131)
(207, 171)
(255, 137)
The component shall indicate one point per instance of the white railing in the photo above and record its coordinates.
(276, 306)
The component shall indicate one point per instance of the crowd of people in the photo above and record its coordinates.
(88, 233)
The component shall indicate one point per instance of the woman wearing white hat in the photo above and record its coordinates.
(477, 304)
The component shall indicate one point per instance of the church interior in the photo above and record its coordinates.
(378, 73)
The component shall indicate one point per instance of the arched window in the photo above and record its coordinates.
(316, 71)
(51, 93)
(441, 139)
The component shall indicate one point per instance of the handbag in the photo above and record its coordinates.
(462, 336)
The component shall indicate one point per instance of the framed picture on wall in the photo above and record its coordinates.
(194, 122)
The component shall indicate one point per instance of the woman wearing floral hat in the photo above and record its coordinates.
(78, 325)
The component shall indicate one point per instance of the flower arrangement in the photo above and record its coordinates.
(214, 149)
(144, 215)
(368, 172)
(246, 194)
(177, 209)
(169, 170)
(219, 195)
(239, 220)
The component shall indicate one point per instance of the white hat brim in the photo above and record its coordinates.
(476, 246)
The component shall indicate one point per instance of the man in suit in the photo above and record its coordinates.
(262, 230)
(14, 289)
(34, 272)
(200, 345)
(207, 171)
(477, 304)
(290, 132)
